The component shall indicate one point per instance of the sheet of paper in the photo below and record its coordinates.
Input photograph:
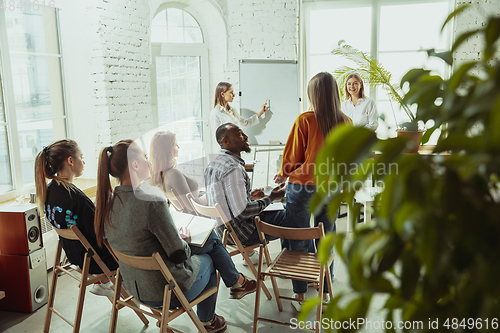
(181, 219)
(200, 228)
(274, 207)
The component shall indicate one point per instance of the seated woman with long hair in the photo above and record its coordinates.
(140, 224)
(65, 205)
(163, 150)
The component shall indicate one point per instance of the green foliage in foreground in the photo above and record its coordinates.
(433, 251)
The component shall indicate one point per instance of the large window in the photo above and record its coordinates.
(397, 33)
(32, 108)
(179, 76)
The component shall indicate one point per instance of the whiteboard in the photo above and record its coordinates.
(278, 82)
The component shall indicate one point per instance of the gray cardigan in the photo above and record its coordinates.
(141, 224)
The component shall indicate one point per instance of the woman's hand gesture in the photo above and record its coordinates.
(262, 110)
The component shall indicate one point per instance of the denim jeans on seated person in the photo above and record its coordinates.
(277, 218)
(220, 257)
(298, 216)
(206, 278)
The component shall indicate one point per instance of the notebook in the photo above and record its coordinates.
(200, 227)
(274, 207)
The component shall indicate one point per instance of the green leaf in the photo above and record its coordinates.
(492, 33)
(494, 126)
(319, 200)
(390, 150)
(453, 14)
(401, 218)
(391, 254)
(410, 275)
(446, 56)
(357, 308)
(386, 200)
(427, 135)
(325, 246)
(462, 38)
(459, 142)
(456, 78)
(414, 75)
(334, 205)
(394, 302)
(354, 211)
(390, 318)
(339, 245)
(375, 241)
(307, 307)
(378, 284)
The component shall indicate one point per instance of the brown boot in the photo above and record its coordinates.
(218, 325)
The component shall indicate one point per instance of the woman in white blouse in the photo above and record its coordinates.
(361, 109)
(223, 113)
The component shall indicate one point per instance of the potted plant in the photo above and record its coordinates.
(433, 249)
(375, 74)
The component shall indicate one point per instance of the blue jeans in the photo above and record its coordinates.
(277, 218)
(220, 257)
(298, 216)
(206, 278)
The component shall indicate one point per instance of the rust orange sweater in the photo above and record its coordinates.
(304, 142)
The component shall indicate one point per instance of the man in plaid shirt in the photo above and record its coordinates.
(228, 184)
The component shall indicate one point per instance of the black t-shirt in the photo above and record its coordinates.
(64, 208)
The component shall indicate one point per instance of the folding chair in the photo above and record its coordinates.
(85, 279)
(294, 265)
(165, 314)
(178, 204)
(233, 250)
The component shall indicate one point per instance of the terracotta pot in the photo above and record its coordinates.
(414, 136)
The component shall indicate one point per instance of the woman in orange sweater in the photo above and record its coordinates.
(305, 140)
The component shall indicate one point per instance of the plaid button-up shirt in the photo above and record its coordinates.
(228, 184)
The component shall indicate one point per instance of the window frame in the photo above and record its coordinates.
(11, 123)
(183, 49)
(307, 6)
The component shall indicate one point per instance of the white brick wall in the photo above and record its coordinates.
(121, 77)
(473, 18)
(115, 96)
(259, 29)
(242, 29)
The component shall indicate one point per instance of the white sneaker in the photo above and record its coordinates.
(254, 258)
(104, 289)
(297, 305)
(325, 303)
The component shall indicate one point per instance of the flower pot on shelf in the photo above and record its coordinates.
(414, 136)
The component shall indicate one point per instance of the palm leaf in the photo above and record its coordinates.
(371, 71)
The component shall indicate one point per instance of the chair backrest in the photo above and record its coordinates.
(215, 211)
(153, 263)
(91, 192)
(67, 233)
(74, 233)
(174, 201)
(145, 263)
(288, 233)
(186, 204)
